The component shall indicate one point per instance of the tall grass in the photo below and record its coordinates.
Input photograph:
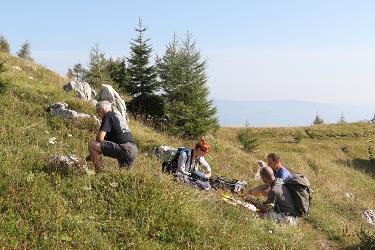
(145, 209)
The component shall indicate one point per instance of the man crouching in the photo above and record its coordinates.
(279, 205)
(114, 139)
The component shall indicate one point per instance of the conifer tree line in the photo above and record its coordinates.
(172, 90)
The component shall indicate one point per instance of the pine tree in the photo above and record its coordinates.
(170, 72)
(79, 72)
(373, 119)
(184, 84)
(318, 120)
(248, 138)
(25, 51)
(142, 77)
(4, 45)
(118, 73)
(97, 72)
(70, 75)
(342, 119)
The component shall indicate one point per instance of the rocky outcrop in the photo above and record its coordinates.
(60, 109)
(107, 93)
(83, 89)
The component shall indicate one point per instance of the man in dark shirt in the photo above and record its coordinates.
(279, 204)
(113, 139)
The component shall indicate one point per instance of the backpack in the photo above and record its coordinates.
(172, 165)
(299, 187)
(225, 183)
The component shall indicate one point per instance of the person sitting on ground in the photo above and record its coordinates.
(113, 139)
(273, 161)
(188, 162)
(279, 204)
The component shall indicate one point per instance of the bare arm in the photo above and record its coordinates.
(260, 190)
(100, 136)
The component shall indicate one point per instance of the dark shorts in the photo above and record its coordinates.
(125, 153)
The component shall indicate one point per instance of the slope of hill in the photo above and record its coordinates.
(145, 209)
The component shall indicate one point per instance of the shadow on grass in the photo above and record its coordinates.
(368, 166)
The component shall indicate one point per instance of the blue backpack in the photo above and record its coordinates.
(172, 165)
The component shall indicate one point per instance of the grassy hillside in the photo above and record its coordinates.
(145, 209)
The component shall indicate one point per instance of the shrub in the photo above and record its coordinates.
(248, 139)
(297, 137)
(367, 239)
(4, 45)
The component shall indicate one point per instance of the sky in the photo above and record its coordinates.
(321, 51)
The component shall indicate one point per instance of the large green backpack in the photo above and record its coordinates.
(299, 187)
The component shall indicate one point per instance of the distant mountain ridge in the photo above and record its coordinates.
(288, 112)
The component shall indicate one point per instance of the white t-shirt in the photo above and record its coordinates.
(187, 166)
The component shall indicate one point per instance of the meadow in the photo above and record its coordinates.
(146, 209)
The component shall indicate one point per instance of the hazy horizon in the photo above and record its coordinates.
(320, 51)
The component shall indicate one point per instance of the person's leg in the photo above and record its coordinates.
(96, 155)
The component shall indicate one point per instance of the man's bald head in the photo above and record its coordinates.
(267, 175)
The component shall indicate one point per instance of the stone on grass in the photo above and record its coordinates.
(83, 89)
(60, 109)
(52, 140)
(67, 164)
(107, 93)
(369, 216)
(349, 194)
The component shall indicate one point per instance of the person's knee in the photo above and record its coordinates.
(94, 146)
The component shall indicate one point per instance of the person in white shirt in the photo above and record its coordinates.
(192, 164)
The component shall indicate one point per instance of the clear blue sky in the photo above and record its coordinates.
(256, 50)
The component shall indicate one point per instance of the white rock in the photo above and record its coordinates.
(31, 78)
(107, 93)
(60, 109)
(69, 135)
(349, 194)
(52, 140)
(17, 68)
(65, 163)
(369, 216)
(83, 89)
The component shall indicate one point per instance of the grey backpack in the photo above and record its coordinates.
(299, 187)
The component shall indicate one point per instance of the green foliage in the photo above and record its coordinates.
(142, 76)
(4, 84)
(184, 83)
(367, 239)
(342, 119)
(97, 69)
(248, 138)
(4, 45)
(118, 73)
(298, 137)
(318, 120)
(25, 51)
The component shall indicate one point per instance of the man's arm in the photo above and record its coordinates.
(260, 190)
(100, 136)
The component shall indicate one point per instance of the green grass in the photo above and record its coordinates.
(145, 209)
